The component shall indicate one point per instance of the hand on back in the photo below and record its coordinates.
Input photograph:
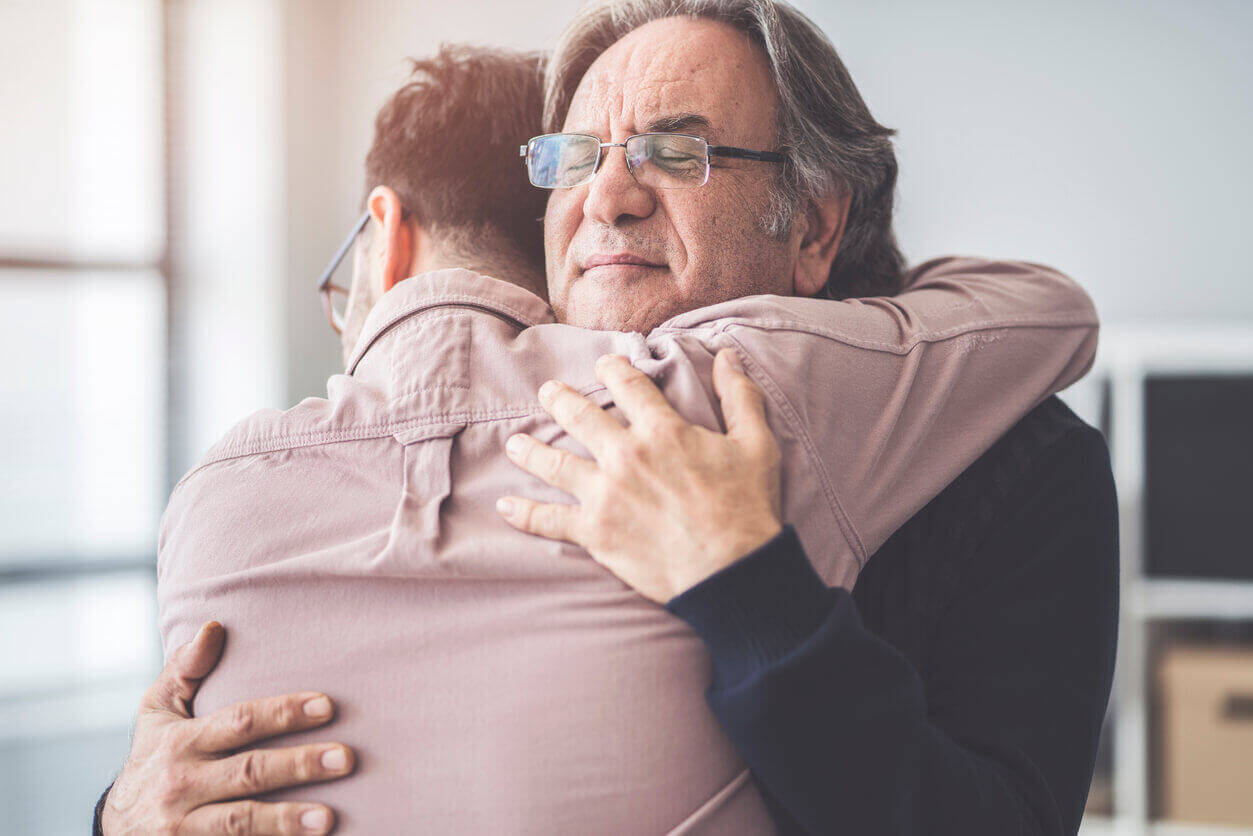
(191, 775)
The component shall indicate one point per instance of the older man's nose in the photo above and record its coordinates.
(614, 194)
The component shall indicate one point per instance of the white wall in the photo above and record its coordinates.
(1107, 139)
(230, 217)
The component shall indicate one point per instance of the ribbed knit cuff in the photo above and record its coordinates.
(97, 828)
(758, 610)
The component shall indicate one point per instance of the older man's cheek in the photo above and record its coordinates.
(559, 229)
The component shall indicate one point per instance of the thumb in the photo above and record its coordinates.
(188, 664)
(743, 402)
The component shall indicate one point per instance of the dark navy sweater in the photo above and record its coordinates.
(961, 686)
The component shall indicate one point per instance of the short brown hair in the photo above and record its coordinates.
(447, 143)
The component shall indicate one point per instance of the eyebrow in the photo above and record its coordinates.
(678, 123)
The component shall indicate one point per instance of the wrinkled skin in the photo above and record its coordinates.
(708, 242)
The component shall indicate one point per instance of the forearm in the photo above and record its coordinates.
(831, 719)
(876, 764)
(999, 735)
(895, 397)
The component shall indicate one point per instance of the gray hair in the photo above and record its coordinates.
(831, 141)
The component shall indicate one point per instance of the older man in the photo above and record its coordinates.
(960, 688)
(733, 539)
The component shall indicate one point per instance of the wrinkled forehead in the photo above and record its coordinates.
(679, 67)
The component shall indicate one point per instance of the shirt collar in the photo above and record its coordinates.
(454, 286)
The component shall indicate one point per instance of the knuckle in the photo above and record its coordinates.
(284, 817)
(166, 691)
(542, 518)
(174, 787)
(287, 817)
(307, 765)
(581, 410)
(166, 796)
(526, 457)
(613, 461)
(238, 818)
(632, 452)
(250, 773)
(167, 741)
(634, 380)
(198, 737)
(527, 516)
(240, 720)
(558, 465)
(167, 825)
(597, 521)
(671, 428)
(284, 714)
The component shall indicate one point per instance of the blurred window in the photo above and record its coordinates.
(83, 397)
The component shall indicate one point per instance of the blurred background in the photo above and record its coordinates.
(174, 175)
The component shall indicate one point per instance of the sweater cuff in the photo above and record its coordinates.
(758, 610)
(97, 825)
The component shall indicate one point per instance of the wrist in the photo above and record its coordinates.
(757, 610)
(716, 554)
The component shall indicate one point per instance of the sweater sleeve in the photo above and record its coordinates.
(892, 398)
(997, 736)
(97, 827)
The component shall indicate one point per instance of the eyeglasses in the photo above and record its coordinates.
(334, 297)
(656, 160)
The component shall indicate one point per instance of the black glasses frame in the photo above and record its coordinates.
(325, 286)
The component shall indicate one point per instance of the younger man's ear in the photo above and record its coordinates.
(395, 237)
(825, 221)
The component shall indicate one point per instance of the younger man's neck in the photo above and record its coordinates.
(498, 266)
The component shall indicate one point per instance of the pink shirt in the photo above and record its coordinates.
(495, 682)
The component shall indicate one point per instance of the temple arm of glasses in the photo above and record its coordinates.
(325, 278)
(745, 154)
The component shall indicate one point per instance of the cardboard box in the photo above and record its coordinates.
(1207, 734)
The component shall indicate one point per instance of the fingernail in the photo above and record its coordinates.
(504, 506)
(318, 707)
(734, 359)
(336, 760)
(602, 359)
(549, 389)
(316, 819)
(514, 445)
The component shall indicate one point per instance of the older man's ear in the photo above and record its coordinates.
(823, 227)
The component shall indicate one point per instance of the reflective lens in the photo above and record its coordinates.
(562, 161)
(657, 160)
(668, 161)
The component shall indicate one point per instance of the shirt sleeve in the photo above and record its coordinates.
(896, 397)
(997, 736)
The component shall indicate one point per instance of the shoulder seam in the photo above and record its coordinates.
(295, 441)
(776, 394)
(1077, 320)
